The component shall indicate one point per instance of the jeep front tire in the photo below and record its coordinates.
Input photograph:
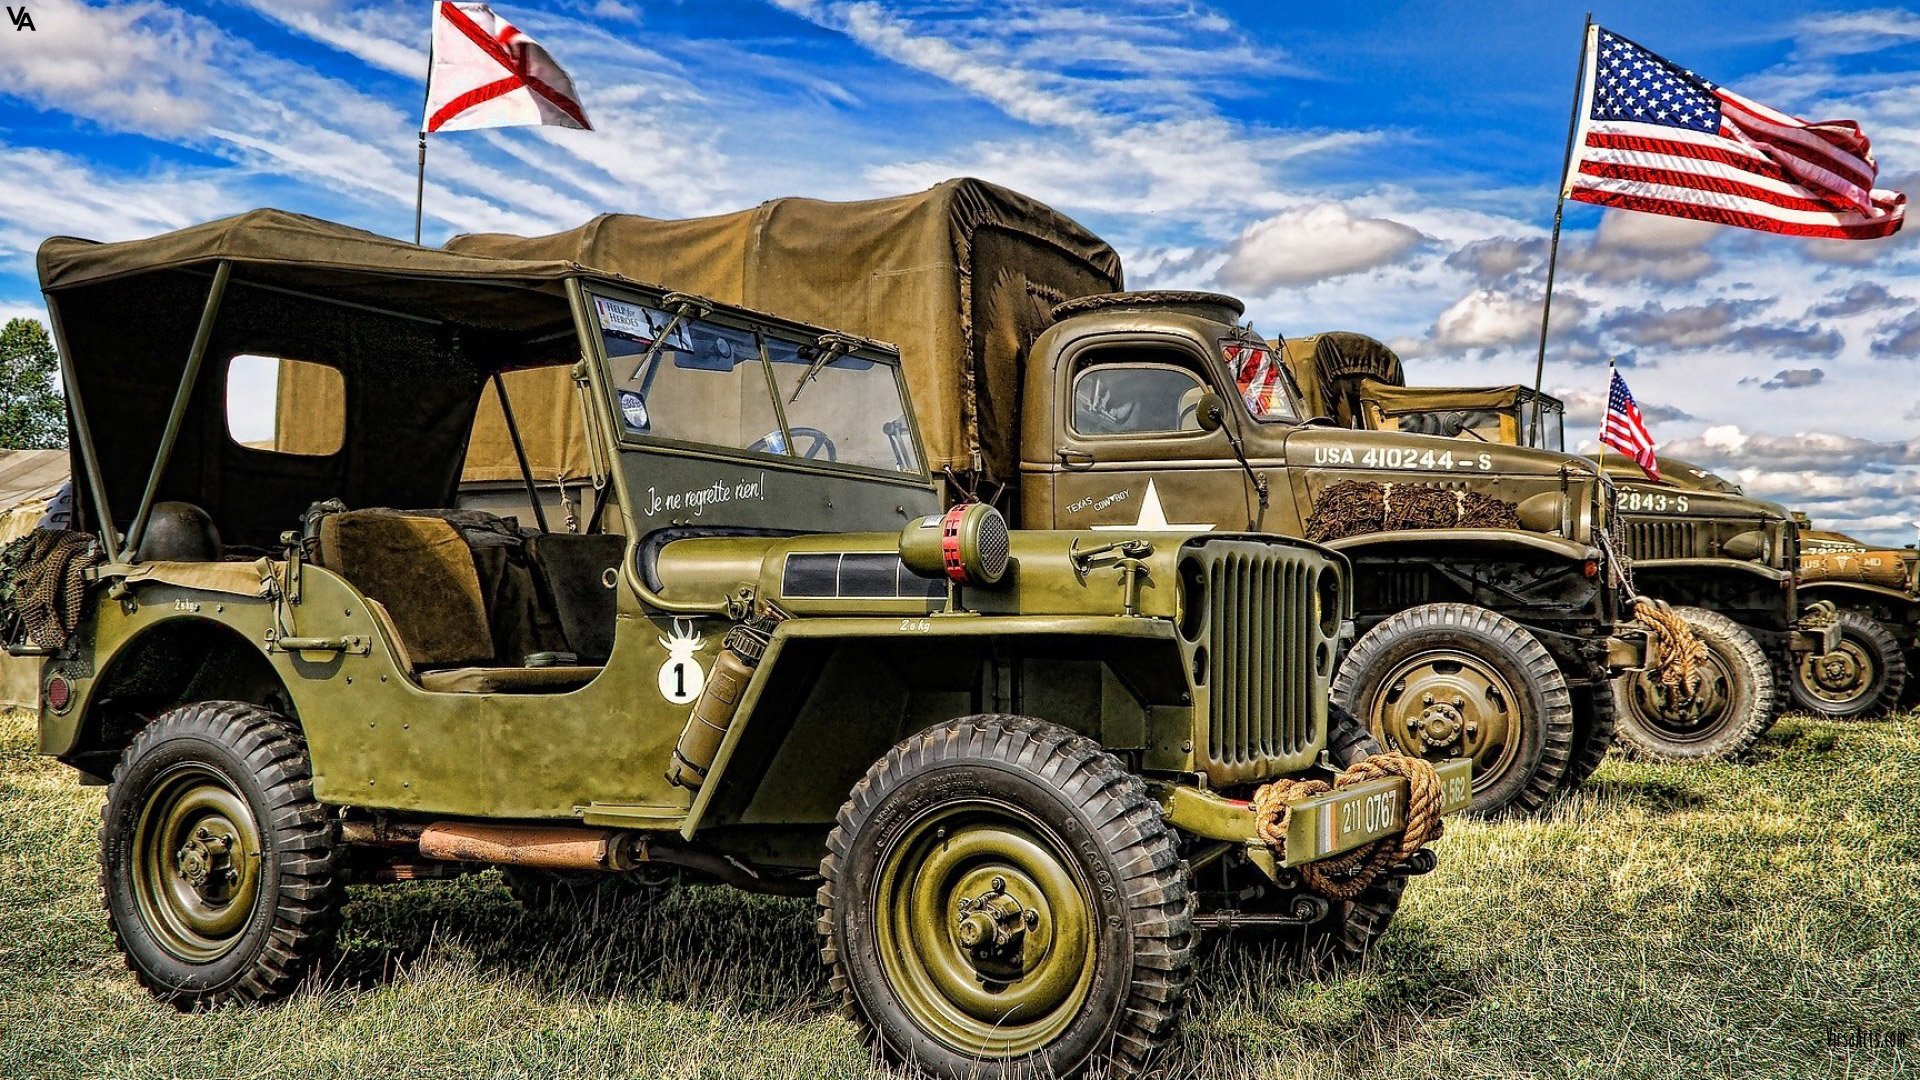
(1001, 896)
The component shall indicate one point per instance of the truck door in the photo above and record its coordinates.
(1130, 449)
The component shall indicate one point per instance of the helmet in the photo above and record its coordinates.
(179, 532)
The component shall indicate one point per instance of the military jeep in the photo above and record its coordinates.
(1877, 594)
(1020, 771)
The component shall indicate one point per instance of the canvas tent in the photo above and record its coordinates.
(961, 277)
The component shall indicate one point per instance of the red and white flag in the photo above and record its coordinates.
(486, 74)
(1658, 138)
(1626, 431)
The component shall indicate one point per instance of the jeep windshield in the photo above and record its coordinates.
(750, 388)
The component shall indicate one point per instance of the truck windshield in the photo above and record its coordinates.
(701, 381)
(1262, 379)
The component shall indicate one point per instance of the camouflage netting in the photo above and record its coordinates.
(43, 586)
(1355, 507)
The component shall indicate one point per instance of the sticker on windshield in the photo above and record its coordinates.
(634, 408)
(639, 323)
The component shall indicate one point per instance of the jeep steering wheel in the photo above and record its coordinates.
(819, 444)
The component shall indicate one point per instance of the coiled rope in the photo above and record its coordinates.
(1344, 877)
(1681, 650)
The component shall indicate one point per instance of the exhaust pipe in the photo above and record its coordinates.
(560, 847)
(539, 846)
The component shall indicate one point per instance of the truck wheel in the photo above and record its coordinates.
(1861, 678)
(1734, 705)
(1593, 725)
(216, 862)
(1452, 680)
(1246, 896)
(1001, 895)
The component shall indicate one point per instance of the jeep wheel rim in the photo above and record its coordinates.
(1842, 677)
(1442, 704)
(985, 929)
(1691, 718)
(196, 864)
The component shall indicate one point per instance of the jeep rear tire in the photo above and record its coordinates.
(216, 861)
(1863, 678)
(1002, 897)
(1733, 707)
(1441, 681)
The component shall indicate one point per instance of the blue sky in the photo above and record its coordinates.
(1380, 167)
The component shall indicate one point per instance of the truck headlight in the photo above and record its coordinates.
(1751, 545)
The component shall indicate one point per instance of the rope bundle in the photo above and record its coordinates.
(1347, 876)
(42, 577)
(1681, 650)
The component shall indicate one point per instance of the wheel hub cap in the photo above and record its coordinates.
(196, 864)
(1839, 676)
(1444, 704)
(992, 928)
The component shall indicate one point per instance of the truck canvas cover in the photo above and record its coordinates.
(961, 277)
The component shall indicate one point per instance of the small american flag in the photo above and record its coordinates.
(1660, 139)
(1626, 431)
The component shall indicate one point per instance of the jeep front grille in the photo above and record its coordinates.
(1268, 651)
(1649, 541)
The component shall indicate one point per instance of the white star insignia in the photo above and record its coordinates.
(1153, 517)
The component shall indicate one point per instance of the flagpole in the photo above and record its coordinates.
(420, 188)
(426, 98)
(1600, 461)
(1559, 209)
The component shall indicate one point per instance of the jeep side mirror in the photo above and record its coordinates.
(1210, 413)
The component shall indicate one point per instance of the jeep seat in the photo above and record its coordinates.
(421, 571)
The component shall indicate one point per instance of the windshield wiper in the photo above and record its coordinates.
(685, 306)
(831, 347)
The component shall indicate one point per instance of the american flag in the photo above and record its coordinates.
(1660, 139)
(1626, 431)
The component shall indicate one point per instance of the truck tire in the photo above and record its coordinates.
(1864, 677)
(216, 862)
(1350, 927)
(1734, 706)
(1454, 680)
(1000, 895)
(1593, 723)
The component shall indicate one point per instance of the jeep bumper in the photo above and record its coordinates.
(1321, 827)
(1630, 649)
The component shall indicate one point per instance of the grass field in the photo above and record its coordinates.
(1742, 921)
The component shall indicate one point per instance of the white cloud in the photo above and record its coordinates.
(131, 66)
(1485, 317)
(1326, 240)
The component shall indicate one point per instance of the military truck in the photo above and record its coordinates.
(1043, 389)
(1695, 541)
(1020, 771)
(1877, 593)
